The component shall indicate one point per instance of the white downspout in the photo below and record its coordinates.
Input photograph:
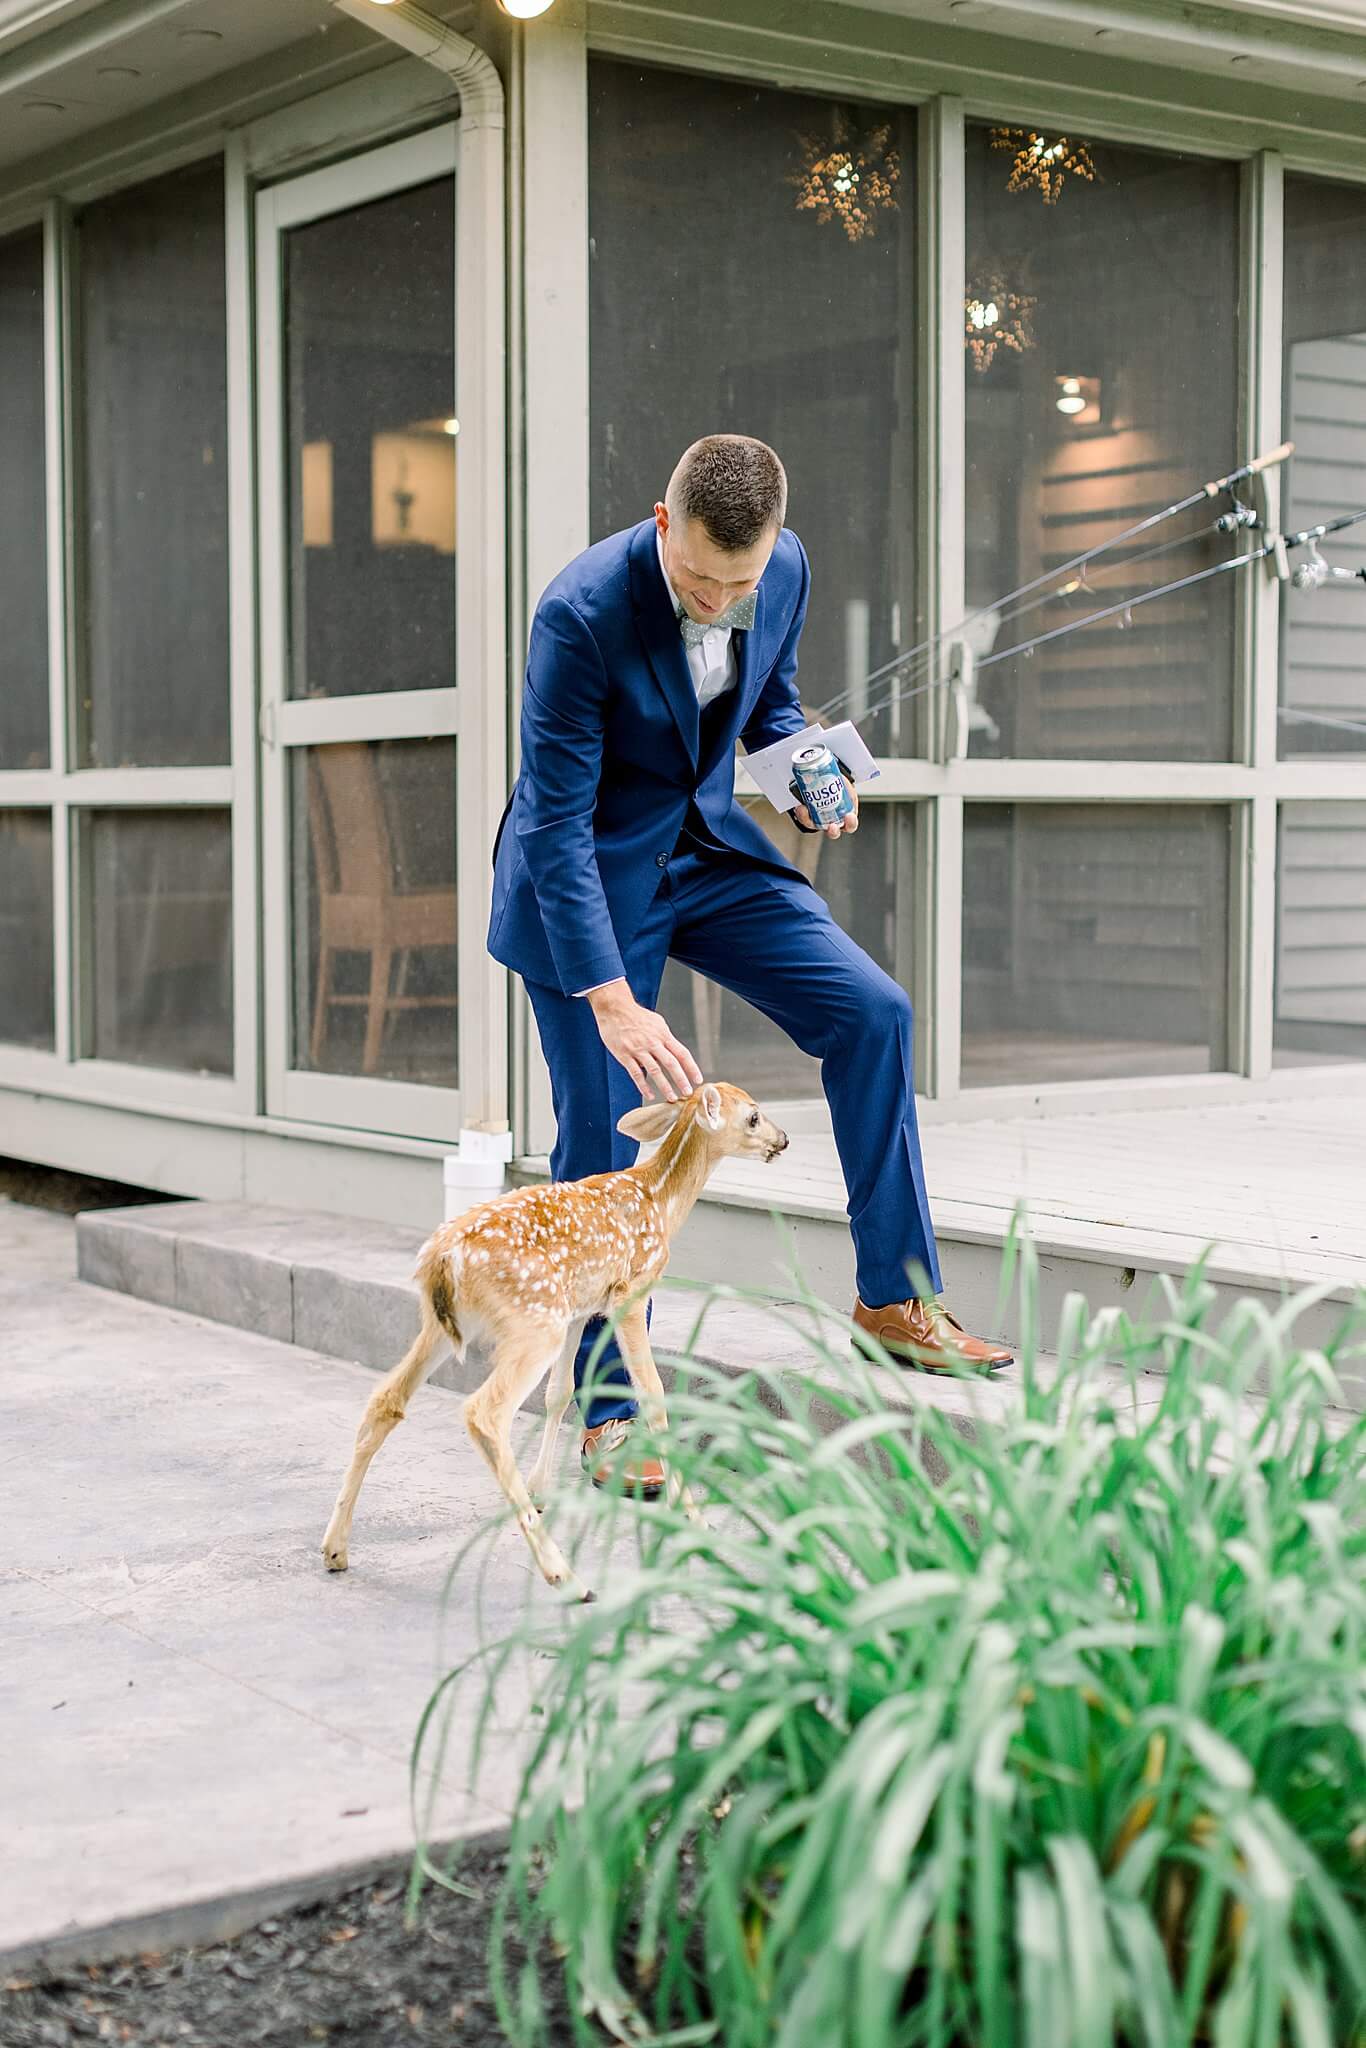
(481, 559)
(471, 70)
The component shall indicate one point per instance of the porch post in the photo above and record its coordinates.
(1252, 924)
(939, 906)
(554, 269)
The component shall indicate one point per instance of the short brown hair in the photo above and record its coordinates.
(734, 485)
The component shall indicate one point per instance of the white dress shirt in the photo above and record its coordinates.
(712, 665)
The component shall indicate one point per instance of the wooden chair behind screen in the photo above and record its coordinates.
(360, 907)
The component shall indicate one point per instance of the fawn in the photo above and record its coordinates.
(522, 1273)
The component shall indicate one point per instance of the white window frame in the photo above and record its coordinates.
(71, 792)
(403, 1108)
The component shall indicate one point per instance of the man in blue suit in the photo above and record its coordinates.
(623, 845)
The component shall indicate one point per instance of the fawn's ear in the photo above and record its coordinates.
(653, 1120)
(709, 1107)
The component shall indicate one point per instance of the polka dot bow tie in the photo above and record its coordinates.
(738, 616)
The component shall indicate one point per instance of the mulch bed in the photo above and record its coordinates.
(344, 1970)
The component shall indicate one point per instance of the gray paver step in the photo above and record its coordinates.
(343, 1287)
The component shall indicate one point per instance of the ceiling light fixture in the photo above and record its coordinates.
(526, 10)
(1078, 400)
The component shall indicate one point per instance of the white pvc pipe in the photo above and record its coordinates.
(471, 70)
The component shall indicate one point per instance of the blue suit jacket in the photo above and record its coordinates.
(610, 755)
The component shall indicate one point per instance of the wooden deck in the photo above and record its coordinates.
(1278, 1186)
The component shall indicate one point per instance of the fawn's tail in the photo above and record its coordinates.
(438, 1277)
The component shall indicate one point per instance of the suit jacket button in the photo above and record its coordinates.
(661, 860)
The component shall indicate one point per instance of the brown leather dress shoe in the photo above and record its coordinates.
(643, 1478)
(923, 1333)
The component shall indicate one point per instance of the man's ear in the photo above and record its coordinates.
(709, 1108)
(653, 1120)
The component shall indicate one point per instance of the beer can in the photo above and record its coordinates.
(824, 791)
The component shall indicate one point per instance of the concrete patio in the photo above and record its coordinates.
(210, 1725)
(193, 1707)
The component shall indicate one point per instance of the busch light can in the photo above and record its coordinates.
(822, 787)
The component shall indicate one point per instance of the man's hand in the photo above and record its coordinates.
(640, 1039)
(849, 824)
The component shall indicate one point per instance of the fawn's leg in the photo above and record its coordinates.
(520, 1358)
(633, 1335)
(559, 1392)
(383, 1411)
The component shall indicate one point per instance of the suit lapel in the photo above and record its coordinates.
(657, 624)
(746, 647)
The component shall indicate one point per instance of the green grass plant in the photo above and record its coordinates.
(1046, 1732)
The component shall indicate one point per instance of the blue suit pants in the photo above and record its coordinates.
(772, 941)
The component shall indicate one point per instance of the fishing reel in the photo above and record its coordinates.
(1238, 516)
(1313, 574)
(1249, 507)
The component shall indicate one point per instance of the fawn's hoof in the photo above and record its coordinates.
(334, 1556)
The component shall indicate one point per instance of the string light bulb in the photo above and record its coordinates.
(1043, 162)
(996, 317)
(851, 182)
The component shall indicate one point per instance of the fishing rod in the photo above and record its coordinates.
(1280, 545)
(1125, 606)
(1321, 718)
(1079, 582)
(1214, 489)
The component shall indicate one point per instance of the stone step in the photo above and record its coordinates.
(739, 1235)
(328, 1283)
(343, 1287)
(335, 1285)
(733, 1238)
